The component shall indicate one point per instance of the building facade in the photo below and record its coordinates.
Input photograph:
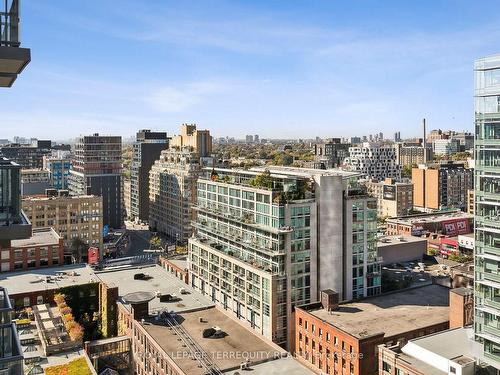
(487, 203)
(374, 161)
(27, 156)
(72, 217)
(43, 249)
(394, 198)
(409, 155)
(257, 251)
(172, 193)
(441, 186)
(13, 222)
(11, 354)
(34, 181)
(343, 338)
(200, 141)
(146, 150)
(97, 170)
(330, 154)
(58, 168)
(445, 146)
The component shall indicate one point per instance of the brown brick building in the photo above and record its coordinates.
(343, 339)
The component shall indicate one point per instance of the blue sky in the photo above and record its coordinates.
(275, 68)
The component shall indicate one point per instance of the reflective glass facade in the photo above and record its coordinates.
(487, 207)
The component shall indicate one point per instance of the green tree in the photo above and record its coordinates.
(155, 242)
(78, 246)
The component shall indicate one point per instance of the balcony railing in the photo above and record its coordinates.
(9, 24)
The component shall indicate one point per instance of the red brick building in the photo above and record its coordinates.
(177, 267)
(43, 249)
(343, 339)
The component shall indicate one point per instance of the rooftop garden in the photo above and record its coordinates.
(75, 330)
(76, 367)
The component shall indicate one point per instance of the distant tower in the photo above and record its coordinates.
(424, 142)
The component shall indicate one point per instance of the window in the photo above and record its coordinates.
(453, 370)
(26, 301)
(39, 300)
(386, 367)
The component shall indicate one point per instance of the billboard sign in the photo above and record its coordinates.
(389, 192)
(93, 255)
(456, 227)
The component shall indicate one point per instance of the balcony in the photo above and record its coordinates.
(13, 59)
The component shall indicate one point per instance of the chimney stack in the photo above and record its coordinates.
(424, 143)
(329, 299)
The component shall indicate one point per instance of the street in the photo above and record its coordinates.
(139, 236)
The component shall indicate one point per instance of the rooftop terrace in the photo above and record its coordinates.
(391, 314)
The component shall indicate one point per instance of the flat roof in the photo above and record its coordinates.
(391, 314)
(439, 343)
(35, 280)
(227, 352)
(306, 172)
(287, 365)
(39, 237)
(398, 240)
(42, 197)
(429, 218)
(161, 281)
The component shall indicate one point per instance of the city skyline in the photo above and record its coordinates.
(323, 70)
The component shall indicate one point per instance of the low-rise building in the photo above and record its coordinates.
(343, 338)
(394, 198)
(44, 248)
(176, 265)
(400, 249)
(58, 167)
(72, 217)
(448, 352)
(451, 223)
(175, 330)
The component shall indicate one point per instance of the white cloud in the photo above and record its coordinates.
(177, 99)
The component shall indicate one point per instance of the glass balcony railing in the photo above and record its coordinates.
(9, 24)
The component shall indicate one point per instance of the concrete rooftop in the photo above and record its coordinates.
(430, 218)
(287, 365)
(397, 240)
(39, 237)
(161, 281)
(35, 280)
(392, 314)
(227, 352)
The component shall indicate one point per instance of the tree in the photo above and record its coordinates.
(78, 246)
(155, 242)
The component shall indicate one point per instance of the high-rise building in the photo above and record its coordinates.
(58, 167)
(249, 138)
(34, 181)
(97, 170)
(70, 216)
(11, 354)
(27, 156)
(330, 154)
(13, 58)
(257, 250)
(445, 146)
(13, 222)
(441, 185)
(487, 208)
(411, 154)
(146, 150)
(374, 161)
(256, 138)
(172, 192)
(200, 141)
